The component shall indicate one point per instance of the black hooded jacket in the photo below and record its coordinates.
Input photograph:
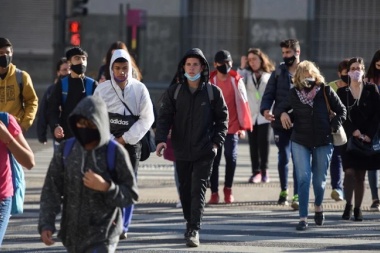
(196, 122)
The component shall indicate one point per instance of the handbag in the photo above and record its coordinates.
(339, 137)
(357, 146)
(119, 124)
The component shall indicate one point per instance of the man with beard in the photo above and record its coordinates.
(276, 92)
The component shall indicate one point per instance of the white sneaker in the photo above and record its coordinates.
(178, 205)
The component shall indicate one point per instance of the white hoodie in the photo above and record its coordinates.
(135, 95)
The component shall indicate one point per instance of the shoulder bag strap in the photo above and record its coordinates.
(326, 99)
(126, 106)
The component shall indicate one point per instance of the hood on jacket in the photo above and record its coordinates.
(194, 52)
(94, 109)
(121, 53)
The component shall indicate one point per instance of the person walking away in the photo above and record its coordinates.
(256, 68)
(235, 95)
(312, 135)
(68, 92)
(17, 94)
(89, 183)
(362, 102)
(276, 92)
(336, 169)
(128, 104)
(197, 114)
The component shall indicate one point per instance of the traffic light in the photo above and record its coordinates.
(79, 8)
(74, 32)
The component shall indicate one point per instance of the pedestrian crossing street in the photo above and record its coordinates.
(253, 224)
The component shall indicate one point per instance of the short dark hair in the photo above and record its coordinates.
(4, 42)
(61, 61)
(75, 51)
(343, 65)
(290, 43)
(120, 59)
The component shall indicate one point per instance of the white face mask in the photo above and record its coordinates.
(356, 75)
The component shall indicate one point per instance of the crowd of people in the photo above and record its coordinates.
(99, 127)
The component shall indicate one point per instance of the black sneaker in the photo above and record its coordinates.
(283, 200)
(319, 218)
(347, 212)
(375, 205)
(358, 216)
(193, 239)
(123, 236)
(302, 225)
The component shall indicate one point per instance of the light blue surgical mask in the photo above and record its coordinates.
(194, 78)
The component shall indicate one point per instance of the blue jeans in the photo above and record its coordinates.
(373, 180)
(283, 143)
(336, 170)
(5, 214)
(311, 162)
(230, 154)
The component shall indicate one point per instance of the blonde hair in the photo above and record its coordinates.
(304, 69)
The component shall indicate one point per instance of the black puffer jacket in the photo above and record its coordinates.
(311, 125)
(195, 122)
(276, 91)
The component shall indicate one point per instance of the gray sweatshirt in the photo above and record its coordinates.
(88, 216)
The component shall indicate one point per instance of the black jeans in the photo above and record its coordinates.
(259, 140)
(230, 154)
(193, 177)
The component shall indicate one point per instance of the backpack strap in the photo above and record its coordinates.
(111, 154)
(210, 92)
(89, 84)
(67, 149)
(20, 83)
(177, 91)
(4, 117)
(65, 88)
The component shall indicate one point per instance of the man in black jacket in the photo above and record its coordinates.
(275, 95)
(196, 112)
(68, 92)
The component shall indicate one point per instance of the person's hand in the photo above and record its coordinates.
(47, 237)
(160, 148)
(120, 140)
(357, 133)
(95, 181)
(241, 134)
(268, 115)
(243, 62)
(5, 136)
(285, 120)
(58, 132)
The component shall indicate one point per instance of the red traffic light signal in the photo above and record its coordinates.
(74, 26)
(74, 31)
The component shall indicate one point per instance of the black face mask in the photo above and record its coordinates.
(345, 78)
(78, 68)
(289, 60)
(310, 86)
(224, 69)
(5, 60)
(87, 135)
